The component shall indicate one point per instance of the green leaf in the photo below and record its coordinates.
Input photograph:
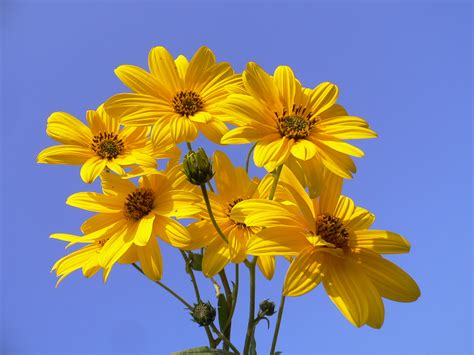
(196, 262)
(223, 311)
(203, 350)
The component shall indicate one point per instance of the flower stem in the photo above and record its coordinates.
(250, 324)
(224, 339)
(169, 290)
(234, 297)
(276, 177)
(198, 296)
(190, 148)
(277, 326)
(247, 162)
(211, 215)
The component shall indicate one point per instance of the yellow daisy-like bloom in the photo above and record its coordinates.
(332, 243)
(176, 96)
(233, 186)
(130, 217)
(288, 121)
(103, 144)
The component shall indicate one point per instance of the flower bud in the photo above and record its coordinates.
(267, 308)
(197, 167)
(203, 313)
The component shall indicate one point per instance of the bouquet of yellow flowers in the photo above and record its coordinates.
(296, 211)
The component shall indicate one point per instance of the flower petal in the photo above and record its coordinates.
(67, 129)
(65, 154)
(144, 230)
(163, 67)
(303, 149)
(216, 257)
(285, 81)
(304, 273)
(138, 80)
(277, 241)
(151, 260)
(213, 130)
(260, 85)
(380, 241)
(95, 202)
(272, 151)
(172, 232)
(267, 266)
(237, 244)
(92, 168)
(331, 193)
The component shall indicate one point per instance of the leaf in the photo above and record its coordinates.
(223, 311)
(203, 350)
(196, 262)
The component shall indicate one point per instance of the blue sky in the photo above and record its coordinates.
(404, 66)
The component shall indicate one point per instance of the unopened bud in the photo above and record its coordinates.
(197, 167)
(203, 313)
(267, 308)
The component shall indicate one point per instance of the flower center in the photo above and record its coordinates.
(231, 205)
(107, 145)
(296, 124)
(330, 229)
(187, 103)
(139, 203)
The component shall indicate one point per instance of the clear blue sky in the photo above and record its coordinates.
(404, 66)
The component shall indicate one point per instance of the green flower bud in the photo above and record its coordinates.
(203, 313)
(267, 308)
(197, 167)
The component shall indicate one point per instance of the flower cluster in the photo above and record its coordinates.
(296, 211)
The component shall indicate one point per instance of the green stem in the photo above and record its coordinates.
(228, 296)
(247, 162)
(169, 290)
(211, 215)
(198, 296)
(250, 324)
(224, 339)
(276, 177)
(277, 326)
(189, 146)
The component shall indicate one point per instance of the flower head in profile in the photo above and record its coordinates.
(288, 121)
(130, 216)
(331, 241)
(233, 185)
(102, 145)
(176, 96)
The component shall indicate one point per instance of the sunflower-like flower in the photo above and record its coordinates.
(233, 185)
(132, 216)
(332, 243)
(103, 144)
(176, 96)
(288, 121)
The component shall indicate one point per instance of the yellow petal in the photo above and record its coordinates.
(340, 131)
(303, 149)
(350, 290)
(163, 67)
(267, 266)
(130, 255)
(201, 117)
(380, 241)
(285, 81)
(248, 110)
(390, 280)
(230, 181)
(65, 154)
(150, 259)
(92, 168)
(99, 221)
(323, 97)
(216, 257)
(95, 202)
(138, 80)
(182, 129)
(339, 146)
(237, 244)
(309, 173)
(213, 130)
(277, 241)
(260, 85)
(361, 219)
(242, 135)
(330, 195)
(114, 185)
(117, 246)
(67, 129)
(272, 150)
(197, 73)
(182, 64)
(339, 163)
(304, 273)
(202, 233)
(265, 213)
(144, 230)
(344, 209)
(172, 232)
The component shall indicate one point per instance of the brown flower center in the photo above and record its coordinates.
(139, 203)
(231, 205)
(332, 230)
(296, 124)
(107, 145)
(187, 103)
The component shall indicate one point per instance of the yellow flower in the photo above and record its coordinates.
(102, 145)
(332, 243)
(233, 186)
(288, 121)
(176, 96)
(130, 217)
